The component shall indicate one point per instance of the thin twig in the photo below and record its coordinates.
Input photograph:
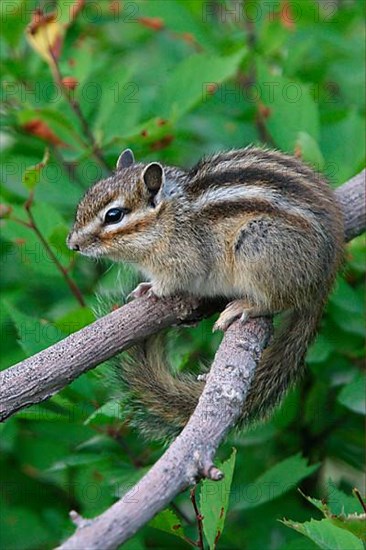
(33, 225)
(357, 494)
(75, 106)
(199, 518)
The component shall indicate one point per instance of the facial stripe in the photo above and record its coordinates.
(138, 222)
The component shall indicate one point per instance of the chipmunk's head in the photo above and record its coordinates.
(117, 217)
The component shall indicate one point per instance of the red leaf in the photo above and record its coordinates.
(38, 128)
(155, 23)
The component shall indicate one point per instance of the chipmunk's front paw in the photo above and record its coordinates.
(143, 289)
(235, 310)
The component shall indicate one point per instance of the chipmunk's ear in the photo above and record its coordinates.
(125, 159)
(153, 176)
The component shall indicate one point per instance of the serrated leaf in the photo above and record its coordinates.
(169, 522)
(276, 481)
(326, 535)
(214, 501)
(354, 523)
(32, 175)
(341, 503)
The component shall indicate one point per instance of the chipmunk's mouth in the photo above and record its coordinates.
(89, 248)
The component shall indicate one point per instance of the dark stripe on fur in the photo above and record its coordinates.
(286, 174)
(257, 207)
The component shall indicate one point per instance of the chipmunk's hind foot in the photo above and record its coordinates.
(235, 310)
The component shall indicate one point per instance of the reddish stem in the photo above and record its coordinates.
(199, 518)
(33, 225)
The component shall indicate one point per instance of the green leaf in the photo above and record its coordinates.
(190, 80)
(75, 460)
(353, 522)
(346, 298)
(344, 155)
(48, 219)
(326, 535)
(28, 246)
(111, 409)
(34, 335)
(214, 501)
(276, 481)
(120, 104)
(180, 17)
(309, 150)
(75, 320)
(300, 543)
(32, 175)
(291, 108)
(340, 503)
(136, 543)
(320, 351)
(352, 396)
(12, 20)
(17, 525)
(56, 121)
(169, 522)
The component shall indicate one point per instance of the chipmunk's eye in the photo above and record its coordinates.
(115, 215)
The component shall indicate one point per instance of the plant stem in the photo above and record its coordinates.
(357, 494)
(199, 518)
(71, 284)
(75, 106)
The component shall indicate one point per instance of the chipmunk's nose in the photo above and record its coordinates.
(71, 243)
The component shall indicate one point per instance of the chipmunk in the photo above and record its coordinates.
(255, 226)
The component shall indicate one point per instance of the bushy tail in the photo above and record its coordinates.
(282, 363)
(160, 403)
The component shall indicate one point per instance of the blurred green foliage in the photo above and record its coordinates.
(173, 80)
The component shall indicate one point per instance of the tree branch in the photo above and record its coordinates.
(190, 455)
(39, 377)
(42, 375)
(352, 198)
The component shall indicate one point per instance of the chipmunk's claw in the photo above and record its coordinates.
(238, 309)
(143, 289)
